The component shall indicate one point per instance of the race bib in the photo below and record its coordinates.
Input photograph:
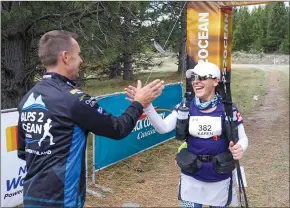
(205, 126)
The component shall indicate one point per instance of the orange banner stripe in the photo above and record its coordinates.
(16, 137)
(11, 138)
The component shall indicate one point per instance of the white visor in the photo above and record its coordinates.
(203, 69)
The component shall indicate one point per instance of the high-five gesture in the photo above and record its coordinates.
(144, 95)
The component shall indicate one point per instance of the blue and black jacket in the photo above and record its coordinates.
(54, 120)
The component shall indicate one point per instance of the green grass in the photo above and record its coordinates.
(245, 84)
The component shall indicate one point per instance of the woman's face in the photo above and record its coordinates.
(204, 88)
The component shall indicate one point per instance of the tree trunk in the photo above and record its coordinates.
(128, 72)
(115, 69)
(16, 78)
(81, 80)
(182, 46)
(118, 68)
(127, 49)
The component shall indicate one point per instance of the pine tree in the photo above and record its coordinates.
(22, 25)
(276, 30)
(242, 37)
(285, 45)
(257, 29)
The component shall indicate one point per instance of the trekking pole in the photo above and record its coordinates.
(232, 133)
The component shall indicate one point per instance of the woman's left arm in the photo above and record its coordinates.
(243, 139)
(241, 146)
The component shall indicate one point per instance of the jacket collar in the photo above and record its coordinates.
(53, 75)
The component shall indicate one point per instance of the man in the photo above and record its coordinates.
(54, 120)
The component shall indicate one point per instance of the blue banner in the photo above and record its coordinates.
(144, 136)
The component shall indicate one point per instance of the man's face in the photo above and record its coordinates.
(74, 61)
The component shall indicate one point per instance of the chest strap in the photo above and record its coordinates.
(205, 158)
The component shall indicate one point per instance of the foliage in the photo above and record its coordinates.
(264, 29)
(115, 37)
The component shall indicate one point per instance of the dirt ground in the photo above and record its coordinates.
(267, 158)
(266, 161)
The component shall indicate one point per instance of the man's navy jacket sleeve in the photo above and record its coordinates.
(21, 140)
(86, 113)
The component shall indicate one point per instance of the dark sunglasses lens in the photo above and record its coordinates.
(201, 78)
(197, 77)
(194, 77)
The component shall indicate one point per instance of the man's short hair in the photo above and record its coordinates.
(52, 43)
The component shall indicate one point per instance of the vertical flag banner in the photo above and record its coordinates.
(209, 33)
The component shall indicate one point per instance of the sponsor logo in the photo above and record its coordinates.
(91, 102)
(76, 91)
(81, 97)
(15, 183)
(216, 137)
(144, 126)
(47, 76)
(239, 117)
(11, 138)
(144, 116)
(100, 110)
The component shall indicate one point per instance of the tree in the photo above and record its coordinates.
(275, 29)
(242, 36)
(263, 29)
(127, 35)
(182, 46)
(22, 25)
(110, 33)
(285, 45)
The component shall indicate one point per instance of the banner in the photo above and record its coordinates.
(242, 3)
(144, 136)
(209, 34)
(13, 170)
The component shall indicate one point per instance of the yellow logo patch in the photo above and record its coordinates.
(75, 91)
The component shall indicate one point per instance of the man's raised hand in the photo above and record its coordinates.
(144, 95)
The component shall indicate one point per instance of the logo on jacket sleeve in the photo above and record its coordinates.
(237, 116)
(100, 110)
(76, 91)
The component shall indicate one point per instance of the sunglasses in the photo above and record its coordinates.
(196, 77)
